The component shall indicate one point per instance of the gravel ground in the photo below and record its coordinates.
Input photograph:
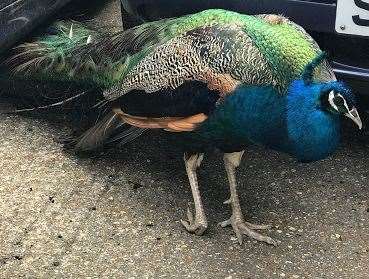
(116, 214)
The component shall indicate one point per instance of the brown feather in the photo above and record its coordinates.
(172, 124)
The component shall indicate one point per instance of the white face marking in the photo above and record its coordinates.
(354, 116)
(331, 102)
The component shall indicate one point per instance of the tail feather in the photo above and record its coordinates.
(74, 51)
(70, 52)
(110, 129)
(127, 136)
(98, 134)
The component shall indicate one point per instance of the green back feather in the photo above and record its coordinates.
(110, 57)
(308, 73)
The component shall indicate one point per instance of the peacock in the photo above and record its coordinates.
(217, 79)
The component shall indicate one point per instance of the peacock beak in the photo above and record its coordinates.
(354, 116)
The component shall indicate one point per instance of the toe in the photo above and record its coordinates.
(258, 227)
(189, 215)
(238, 233)
(257, 236)
(200, 229)
(186, 224)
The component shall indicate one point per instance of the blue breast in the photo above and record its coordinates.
(291, 123)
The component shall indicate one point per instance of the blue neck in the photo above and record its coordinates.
(291, 123)
(314, 133)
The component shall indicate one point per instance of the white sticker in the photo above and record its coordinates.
(353, 17)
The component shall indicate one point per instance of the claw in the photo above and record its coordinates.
(229, 201)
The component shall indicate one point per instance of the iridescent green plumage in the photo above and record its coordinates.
(269, 48)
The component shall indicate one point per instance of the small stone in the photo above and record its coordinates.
(278, 231)
(295, 276)
(282, 275)
(292, 229)
(289, 247)
(336, 236)
(234, 238)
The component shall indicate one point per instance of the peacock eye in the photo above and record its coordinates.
(339, 101)
(341, 104)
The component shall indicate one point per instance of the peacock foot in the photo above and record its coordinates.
(196, 225)
(241, 227)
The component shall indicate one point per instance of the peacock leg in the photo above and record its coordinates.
(198, 224)
(237, 221)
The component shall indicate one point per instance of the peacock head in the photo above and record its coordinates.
(333, 97)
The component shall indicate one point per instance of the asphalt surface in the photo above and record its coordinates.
(116, 214)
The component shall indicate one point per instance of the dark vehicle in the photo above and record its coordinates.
(341, 27)
(18, 18)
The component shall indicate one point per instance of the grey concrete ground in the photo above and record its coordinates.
(116, 215)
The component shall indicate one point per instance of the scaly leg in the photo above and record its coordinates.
(237, 221)
(199, 224)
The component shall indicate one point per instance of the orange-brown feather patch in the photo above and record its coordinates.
(172, 124)
(222, 83)
(181, 126)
